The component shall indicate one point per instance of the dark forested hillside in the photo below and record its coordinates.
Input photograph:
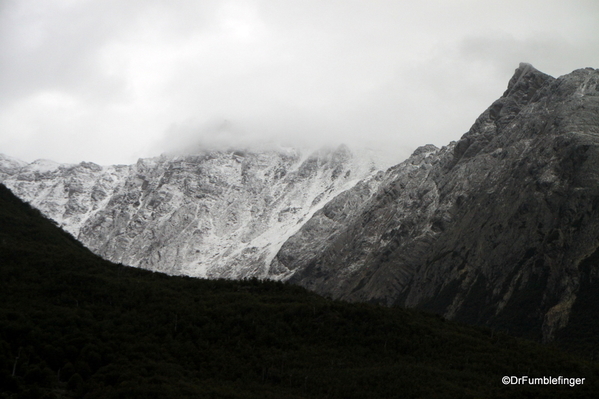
(75, 326)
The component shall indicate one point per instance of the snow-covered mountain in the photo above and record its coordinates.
(213, 214)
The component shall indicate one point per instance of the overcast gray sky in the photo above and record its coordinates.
(110, 81)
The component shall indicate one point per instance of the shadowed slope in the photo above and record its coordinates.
(73, 325)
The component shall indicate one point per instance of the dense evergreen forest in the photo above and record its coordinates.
(75, 326)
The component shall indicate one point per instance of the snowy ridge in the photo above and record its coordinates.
(9, 165)
(212, 214)
(67, 193)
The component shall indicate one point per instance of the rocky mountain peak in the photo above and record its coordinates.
(525, 82)
(524, 89)
(499, 228)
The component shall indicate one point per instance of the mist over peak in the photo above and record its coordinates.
(230, 135)
(132, 81)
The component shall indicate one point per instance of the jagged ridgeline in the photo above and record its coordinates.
(500, 228)
(73, 325)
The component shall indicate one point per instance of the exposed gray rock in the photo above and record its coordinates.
(490, 230)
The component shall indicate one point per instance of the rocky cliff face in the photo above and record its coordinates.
(215, 214)
(500, 228)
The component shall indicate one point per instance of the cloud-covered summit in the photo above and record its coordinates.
(108, 81)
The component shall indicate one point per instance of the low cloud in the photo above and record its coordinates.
(108, 81)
